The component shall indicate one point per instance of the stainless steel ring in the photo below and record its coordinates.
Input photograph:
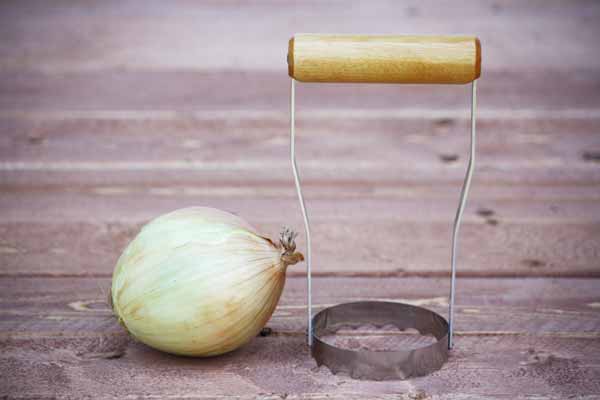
(380, 365)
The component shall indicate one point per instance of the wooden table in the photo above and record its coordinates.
(113, 113)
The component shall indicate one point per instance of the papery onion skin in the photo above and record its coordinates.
(199, 282)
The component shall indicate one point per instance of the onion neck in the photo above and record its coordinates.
(291, 258)
(287, 243)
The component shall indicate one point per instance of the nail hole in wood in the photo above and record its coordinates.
(533, 263)
(591, 156)
(35, 139)
(444, 122)
(485, 212)
(448, 158)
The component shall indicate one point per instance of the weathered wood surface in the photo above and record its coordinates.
(113, 113)
(62, 305)
(536, 192)
(368, 247)
(540, 339)
(194, 36)
(408, 148)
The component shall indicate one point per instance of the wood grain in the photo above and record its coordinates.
(185, 92)
(432, 145)
(367, 248)
(383, 59)
(502, 306)
(500, 367)
(188, 36)
(58, 337)
(113, 113)
(524, 187)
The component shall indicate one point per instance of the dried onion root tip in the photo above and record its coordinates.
(287, 241)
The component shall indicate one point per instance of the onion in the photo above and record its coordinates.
(199, 282)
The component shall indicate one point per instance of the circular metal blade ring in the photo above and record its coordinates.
(380, 365)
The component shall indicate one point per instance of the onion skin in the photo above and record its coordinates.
(199, 282)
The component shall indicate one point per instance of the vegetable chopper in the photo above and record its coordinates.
(321, 58)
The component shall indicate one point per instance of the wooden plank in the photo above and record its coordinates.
(352, 203)
(534, 294)
(499, 367)
(192, 174)
(185, 151)
(540, 306)
(69, 144)
(366, 247)
(538, 239)
(188, 173)
(74, 136)
(186, 91)
(62, 339)
(570, 200)
(183, 35)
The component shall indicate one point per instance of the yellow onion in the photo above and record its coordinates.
(199, 281)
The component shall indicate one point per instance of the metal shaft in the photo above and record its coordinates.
(302, 206)
(459, 212)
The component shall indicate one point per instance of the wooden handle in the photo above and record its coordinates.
(384, 59)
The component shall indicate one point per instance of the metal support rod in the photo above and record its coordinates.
(302, 206)
(459, 212)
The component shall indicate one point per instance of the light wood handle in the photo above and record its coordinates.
(384, 59)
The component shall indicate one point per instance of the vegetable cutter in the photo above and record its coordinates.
(383, 59)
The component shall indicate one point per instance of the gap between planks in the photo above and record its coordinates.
(358, 274)
(323, 165)
(9, 335)
(309, 114)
